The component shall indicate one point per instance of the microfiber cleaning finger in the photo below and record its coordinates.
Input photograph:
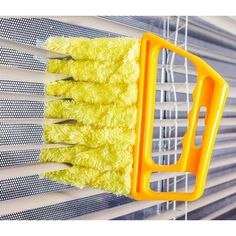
(106, 167)
(104, 158)
(112, 181)
(111, 115)
(125, 71)
(98, 49)
(87, 135)
(93, 92)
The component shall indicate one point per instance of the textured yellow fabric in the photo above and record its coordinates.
(98, 49)
(93, 92)
(104, 93)
(93, 114)
(107, 167)
(125, 71)
(108, 157)
(111, 181)
(87, 135)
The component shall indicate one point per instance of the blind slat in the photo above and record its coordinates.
(39, 168)
(220, 211)
(219, 136)
(182, 106)
(15, 74)
(45, 199)
(229, 144)
(100, 23)
(192, 71)
(125, 209)
(119, 211)
(204, 52)
(183, 122)
(30, 169)
(30, 202)
(180, 211)
(225, 23)
(182, 88)
(32, 121)
(7, 148)
(36, 51)
(214, 164)
(202, 201)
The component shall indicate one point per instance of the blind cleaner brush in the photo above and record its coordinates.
(95, 125)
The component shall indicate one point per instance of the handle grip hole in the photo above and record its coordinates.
(200, 126)
(171, 182)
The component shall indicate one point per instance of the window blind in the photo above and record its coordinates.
(26, 195)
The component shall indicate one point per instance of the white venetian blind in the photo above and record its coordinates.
(35, 198)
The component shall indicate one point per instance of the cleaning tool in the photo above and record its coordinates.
(99, 114)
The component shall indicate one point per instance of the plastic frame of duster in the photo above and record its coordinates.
(210, 91)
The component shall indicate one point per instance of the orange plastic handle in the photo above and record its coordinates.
(210, 91)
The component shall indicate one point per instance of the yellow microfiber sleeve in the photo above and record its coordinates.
(106, 167)
(117, 182)
(111, 115)
(98, 49)
(125, 71)
(93, 92)
(87, 135)
(107, 158)
(104, 95)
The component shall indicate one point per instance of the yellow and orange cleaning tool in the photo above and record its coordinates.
(113, 94)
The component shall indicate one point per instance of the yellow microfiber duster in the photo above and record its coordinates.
(87, 135)
(106, 153)
(124, 71)
(98, 49)
(107, 167)
(108, 157)
(111, 115)
(93, 92)
(112, 181)
(104, 95)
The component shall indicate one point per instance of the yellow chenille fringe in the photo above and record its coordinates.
(87, 135)
(112, 181)
(115, 161)
(95, 93)
(111, 115)
(125, 71)
(104, 93)
(98, 49)
(107, 158)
